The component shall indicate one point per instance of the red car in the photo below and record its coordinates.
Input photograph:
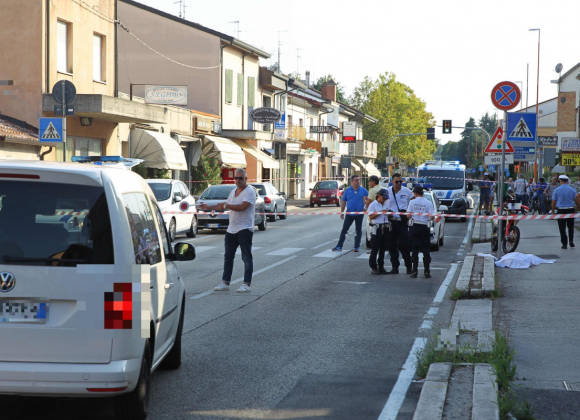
(326, 192)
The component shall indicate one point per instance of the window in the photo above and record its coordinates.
(99, 73)
(229, 86)
(240, 89)
(309, 171)
(54, 224)
(161, 226)
(84, 146)
(143, 230)
(251, 91)
(289, 120)
(161, 190)
(301, 122)
(63, 47)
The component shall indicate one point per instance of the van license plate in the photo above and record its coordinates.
(213, 225)
(23, 311)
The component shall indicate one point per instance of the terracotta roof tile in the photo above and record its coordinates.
(13, 129)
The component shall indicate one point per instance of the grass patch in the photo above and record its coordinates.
(501, 358)
(457, 294)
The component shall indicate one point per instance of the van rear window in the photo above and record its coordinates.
(54, 224)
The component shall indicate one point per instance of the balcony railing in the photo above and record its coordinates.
(363, 148)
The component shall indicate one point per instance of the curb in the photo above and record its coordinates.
(434, 392)
(485, 403)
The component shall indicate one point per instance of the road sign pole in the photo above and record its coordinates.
(63, 123)
(501, 187)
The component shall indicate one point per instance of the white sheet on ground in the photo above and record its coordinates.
(520, 260)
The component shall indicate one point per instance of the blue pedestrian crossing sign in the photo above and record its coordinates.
(521, 127)
(50, 130)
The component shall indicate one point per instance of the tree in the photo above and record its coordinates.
(398, 110)
(206, 172)
(340, 96)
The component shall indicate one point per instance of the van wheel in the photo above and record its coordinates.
(172, 228)
(134, 405)
(173, 359)
(262, 225)
(192, 232)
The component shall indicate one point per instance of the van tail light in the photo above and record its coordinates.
(267, 200)
(20, 176)
(119, 307)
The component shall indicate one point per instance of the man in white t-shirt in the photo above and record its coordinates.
(520, 189)
(420, 234)
(379, 226)
(399, 197)
(241, 204)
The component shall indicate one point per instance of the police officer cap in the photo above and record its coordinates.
(383, 193)
(417, 189)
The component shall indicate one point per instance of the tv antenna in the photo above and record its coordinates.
(298, 57)
(237, 23)
(182, 5)
(279, 46)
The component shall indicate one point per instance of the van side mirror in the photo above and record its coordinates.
(183, 252)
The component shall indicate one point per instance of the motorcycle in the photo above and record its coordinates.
(508, 228)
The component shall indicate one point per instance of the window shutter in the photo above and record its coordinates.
(251, 91)
(229, 85)
(240, 89)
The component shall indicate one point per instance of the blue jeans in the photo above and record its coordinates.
(243, 239)
(348, 219)
(540, 196)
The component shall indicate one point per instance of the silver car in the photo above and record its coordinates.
(274, 201)
(218, 220)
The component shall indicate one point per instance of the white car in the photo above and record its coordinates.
(90, 307)
(177, 205)
(438, 225)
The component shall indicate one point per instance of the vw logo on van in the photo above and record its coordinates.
(7, 281)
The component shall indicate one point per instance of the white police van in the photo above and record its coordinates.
(90, 299)
(447, 181)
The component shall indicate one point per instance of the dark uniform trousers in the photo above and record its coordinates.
(566, 223)
(399, 241)
(420, 242)
(379, 244)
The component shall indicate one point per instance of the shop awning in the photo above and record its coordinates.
(158, 150)
(267, 161)
(354, 166)
(372, 169)
(226, 151)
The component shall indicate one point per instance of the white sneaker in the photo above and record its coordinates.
(222, 287)
(244, 288)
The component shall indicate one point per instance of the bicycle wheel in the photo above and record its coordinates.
(512, 239)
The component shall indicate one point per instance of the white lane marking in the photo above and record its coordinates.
(433, 311)
(399, 391)
(285, 251)
(443, 288)
(352, 282)
(240, 279)
(426, 325)
(469, 227)
(323, 244)
(254, 248)
(329, 254)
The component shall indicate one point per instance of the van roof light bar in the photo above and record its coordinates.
(101, 160)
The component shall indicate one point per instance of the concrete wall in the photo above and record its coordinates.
(567, 118)
(21, 58)
(183, 43)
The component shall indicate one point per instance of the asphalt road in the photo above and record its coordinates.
(318, 337)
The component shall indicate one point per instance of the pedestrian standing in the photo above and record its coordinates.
(520, 189)
(374, 188)
(353, 199)
(563, 200)
(550, 191)
(379, 225)
(420, 233)
(399, 198)
(484, 193)
(242, 206)
(530, 191)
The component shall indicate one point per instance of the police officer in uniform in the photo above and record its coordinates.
(420, 235)
(379, 225)
(399, 198)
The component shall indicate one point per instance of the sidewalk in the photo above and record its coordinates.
(540, 312)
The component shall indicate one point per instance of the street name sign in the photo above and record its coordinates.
(570, 144)
(494, 145)
(505, 95)
(521, 126)
(50, 130)
(495, 159)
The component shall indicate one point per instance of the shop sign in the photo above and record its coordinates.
(203, 124)
(548, 140)
(166, 95)
(316, 129)
(570, 144)
(265, 115)
(349, 132)
(570, 159)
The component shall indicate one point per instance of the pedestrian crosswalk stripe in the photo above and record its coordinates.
(203, 248)
(521, 130)
(329, 254)
(285, 251)
(50, 133)
(254, 248)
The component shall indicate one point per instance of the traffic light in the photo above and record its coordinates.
(446, 126)
(431, 133)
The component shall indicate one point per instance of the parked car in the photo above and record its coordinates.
(326, 192)
(88, 309)
(274, 201)
(177, 205)
(438, 225)
(218, 220)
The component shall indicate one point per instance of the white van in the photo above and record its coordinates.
(90, 299)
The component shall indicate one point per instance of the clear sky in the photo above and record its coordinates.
(450, 52)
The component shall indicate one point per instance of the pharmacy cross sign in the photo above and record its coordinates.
(505, 95)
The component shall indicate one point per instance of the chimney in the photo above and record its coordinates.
(307, 78)
(328, 90)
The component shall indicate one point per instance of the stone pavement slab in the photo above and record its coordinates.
(473, 315)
